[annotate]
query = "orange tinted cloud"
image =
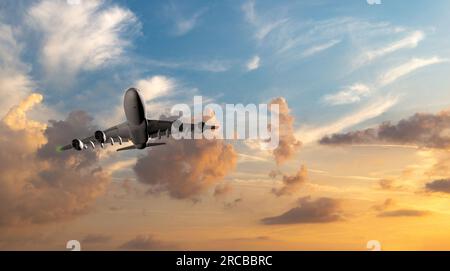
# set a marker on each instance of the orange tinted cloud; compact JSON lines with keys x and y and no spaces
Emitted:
{"x":386,"y":184}
{"x":146,"y":242}
{"x":37,"y":184}
{"x":388,"y":203}
{"x":222,"y":190}
{"x":96,"y":239}
{"x":288,"y":143}
{"x":186,"y":168}
{"x":321,"y":210}
{"x":442,"y":185}
{"x":291,"y":184}
{"x":421,"y":129}
{"x":403,"y":213}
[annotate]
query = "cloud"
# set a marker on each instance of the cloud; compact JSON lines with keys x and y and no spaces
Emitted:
{"x":249,"y":11}
{"x":186,"y":168}
{"x":16,"y":118}
{"x":96,"y":239}
{"x":406,"y":68}
{"x":386,"y":184}
{"x":292,"y":184}
{"x":185,"y":25}
{"x":357,"y":91}
{"x":78,"y":124}
{"x":440,"y":169}
{"x":421,"y":129}
{"x":233,"y":203}
{"x":255,"y":238}
{"x":411,"y":41}
{"x":353,"y":94}
{"x":403,"y":213}
{"x":314,"y":36}
{"x":37,"y":184}
{"x":145,"y":242}
{"x":15,"y":84}
{"x":387,"y":204}
{"x":442,"y":185}
{"x":288,"y":143}
{"x":80,"y":37}
{"x":253,"y":63}
{"x":263,"y":28}
{"x":378,"y":107}
{"x":155,"y":86}
{"x":320,"y":47}
{"x":291,"y":37}
{"x":214,"y":65}
{"x":266,"y":28}
{"x":222,"y":190}
{"x":274,"y":173}
{"x":10,"y":48}
{"x":321,"y":210}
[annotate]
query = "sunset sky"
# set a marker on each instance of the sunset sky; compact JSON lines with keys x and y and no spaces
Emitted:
{"x":364,"y":97}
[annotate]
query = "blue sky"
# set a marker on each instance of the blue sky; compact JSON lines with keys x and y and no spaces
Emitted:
{"x":309,"y":50}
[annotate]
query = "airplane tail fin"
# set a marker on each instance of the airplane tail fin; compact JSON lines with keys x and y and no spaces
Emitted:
{"x":132,"y":147}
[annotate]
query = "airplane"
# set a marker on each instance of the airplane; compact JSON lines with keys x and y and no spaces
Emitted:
{"x":137,"y":128}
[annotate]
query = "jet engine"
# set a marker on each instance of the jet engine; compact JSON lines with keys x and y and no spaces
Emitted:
{"x":100,"y":136}
{"x":78,"y":144}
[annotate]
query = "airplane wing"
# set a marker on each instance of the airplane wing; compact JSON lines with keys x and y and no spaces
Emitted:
{"x":121,"y":133}
{"x":116,"y":134}
{"x":149,"y":144}
{"x":159,"y":128}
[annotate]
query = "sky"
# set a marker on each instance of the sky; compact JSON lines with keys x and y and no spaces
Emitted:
{"x":363,"y":91}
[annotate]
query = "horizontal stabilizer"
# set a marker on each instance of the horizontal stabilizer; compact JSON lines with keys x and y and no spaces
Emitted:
{"x":155,"y":144}
{"x":132,"y":147}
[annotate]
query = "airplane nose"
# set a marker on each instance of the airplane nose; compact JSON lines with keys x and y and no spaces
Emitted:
{"x":133,"y":97}
{"x":131,"y":93}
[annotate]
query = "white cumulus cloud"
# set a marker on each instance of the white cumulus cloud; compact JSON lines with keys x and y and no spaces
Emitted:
{"x":155,"y":86}
{"x":80,"y":37}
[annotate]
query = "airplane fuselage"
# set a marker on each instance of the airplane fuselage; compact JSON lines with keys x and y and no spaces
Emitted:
{"x":134,"y":108}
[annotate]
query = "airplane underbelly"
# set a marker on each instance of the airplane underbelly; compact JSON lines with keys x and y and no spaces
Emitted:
{"x":138,"y":134}
{"x":135,"y":113}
